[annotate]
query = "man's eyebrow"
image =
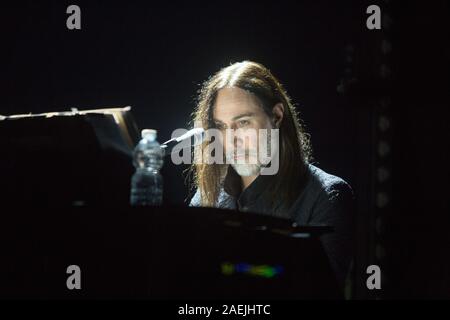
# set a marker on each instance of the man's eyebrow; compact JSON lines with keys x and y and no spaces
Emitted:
{"x":247,"y":114}
{"x":242,"y":115}
{"x":217,"y":121}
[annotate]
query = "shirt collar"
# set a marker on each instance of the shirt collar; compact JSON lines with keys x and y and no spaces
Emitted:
{"x":233,"y":187}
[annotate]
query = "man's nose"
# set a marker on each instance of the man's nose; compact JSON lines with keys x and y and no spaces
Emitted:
{"x":238,"y":139}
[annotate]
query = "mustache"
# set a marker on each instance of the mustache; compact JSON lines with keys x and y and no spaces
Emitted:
{"x":240,"y":153}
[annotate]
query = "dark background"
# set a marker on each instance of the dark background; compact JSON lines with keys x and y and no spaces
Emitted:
{"x":154,"y":56}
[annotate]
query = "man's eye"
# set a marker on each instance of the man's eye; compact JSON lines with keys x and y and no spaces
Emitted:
{"x":244,"y":122}
{"x":219,"y":126}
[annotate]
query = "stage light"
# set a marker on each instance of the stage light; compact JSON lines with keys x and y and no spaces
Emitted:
{"x":384,"y":123}
{"x":383,"y":174}
{"x":382,"y":199}
{"x":383,"y":148}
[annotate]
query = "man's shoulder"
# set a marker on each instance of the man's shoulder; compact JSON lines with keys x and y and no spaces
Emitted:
{"x":323,"y":181}
{"x":322,"y":190}
{"x":328,"y":190}
{"x":224,"y":200}
{"x":196,"y":200}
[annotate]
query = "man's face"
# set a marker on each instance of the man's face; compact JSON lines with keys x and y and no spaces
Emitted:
{"x":240,"y":111}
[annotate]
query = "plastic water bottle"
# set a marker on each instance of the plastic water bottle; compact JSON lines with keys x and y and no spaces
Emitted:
{"x":147,"y":182}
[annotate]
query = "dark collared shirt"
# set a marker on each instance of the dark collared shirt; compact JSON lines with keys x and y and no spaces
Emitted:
{"x":325,"y":200}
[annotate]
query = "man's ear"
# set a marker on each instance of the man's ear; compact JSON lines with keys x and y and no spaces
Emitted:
{"x":278,"y":113}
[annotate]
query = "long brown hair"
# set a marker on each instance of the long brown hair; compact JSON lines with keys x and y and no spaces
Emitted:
{"x":295,"y":150}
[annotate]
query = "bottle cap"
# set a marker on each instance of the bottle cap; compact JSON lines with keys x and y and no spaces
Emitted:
{"x":149,"y":134}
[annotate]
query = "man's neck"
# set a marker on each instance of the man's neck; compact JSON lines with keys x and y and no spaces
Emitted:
{"x":246,"y":181}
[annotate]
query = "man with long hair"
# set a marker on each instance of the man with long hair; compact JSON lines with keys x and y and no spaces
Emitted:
{"x":246,"y":97}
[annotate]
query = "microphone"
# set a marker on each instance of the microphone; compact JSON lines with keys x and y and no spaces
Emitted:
{"x":197,"y":133}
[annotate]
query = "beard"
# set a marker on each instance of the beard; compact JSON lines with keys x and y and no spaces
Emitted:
{"x":247,"y":170}
{"x":250,"y":163}
{"x":246,"y":166}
